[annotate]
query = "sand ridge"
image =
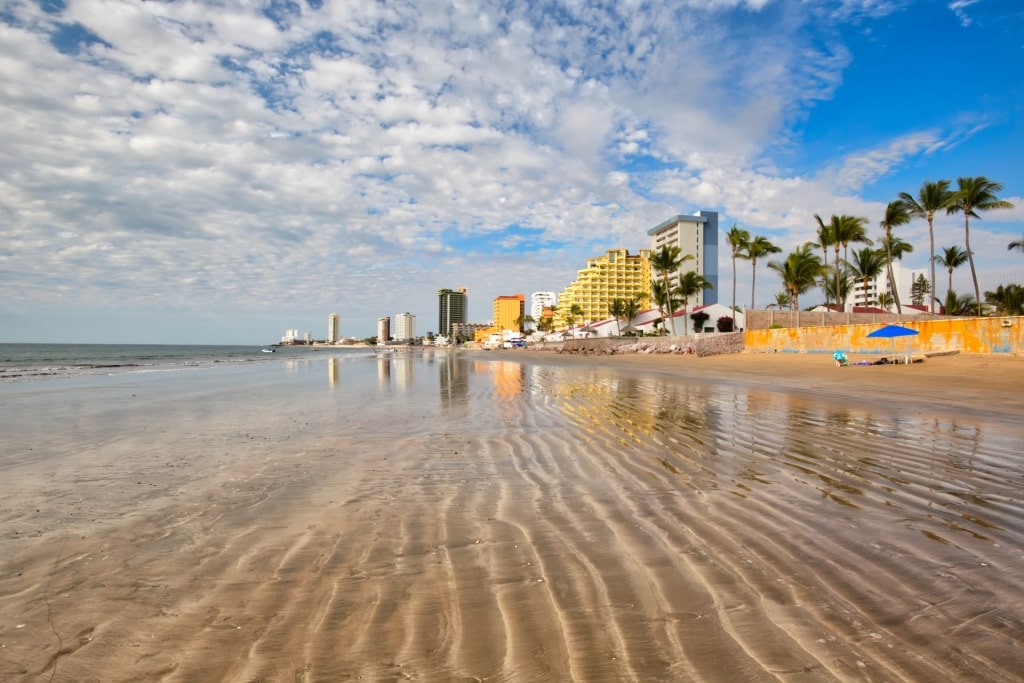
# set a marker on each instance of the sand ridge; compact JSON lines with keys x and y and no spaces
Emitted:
{"x":557,"y":520}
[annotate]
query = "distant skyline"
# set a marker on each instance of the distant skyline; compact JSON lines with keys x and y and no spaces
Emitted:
{"x":198,"y":172}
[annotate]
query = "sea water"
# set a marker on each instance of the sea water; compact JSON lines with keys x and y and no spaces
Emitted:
{"x":36,"y":361}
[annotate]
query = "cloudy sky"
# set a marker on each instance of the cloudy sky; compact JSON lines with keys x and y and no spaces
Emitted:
{"x":220,"y":171}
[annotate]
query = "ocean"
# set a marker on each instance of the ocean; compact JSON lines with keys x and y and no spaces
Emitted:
{"x":37,"y":361}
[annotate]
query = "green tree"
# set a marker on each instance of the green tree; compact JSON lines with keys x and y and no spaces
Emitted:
{"x":738,"y":240}
{"x":867,"y":265}
{"x":758,"y":247}
{"x":958,"y":305}
{"x":799,"y":272}
{"x":663,"y":298}
{"x":1007,"y":300}
{"x":973,"y":195}
{"x":633,"y":306}
{"x":896,"y":214}
{"x":826,"y":239}
{"x":930,"y":198}
{"x":841,"y":231}
{"x":664,"y":262}
{"x":920,"y":289}
{"x":951,"y":258}
{"x":781,"y":301}
{"x":691,"y":284}
{"x":617,"y":309}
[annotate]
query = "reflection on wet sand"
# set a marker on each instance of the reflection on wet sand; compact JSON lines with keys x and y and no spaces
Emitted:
{"x":526,"y":522}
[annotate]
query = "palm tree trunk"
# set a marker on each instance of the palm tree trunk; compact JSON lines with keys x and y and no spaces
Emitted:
{"x":970,"y":259}
{"x":824,"y":250}
{"x":840,"y":304}
{"x":753,"y":279}
{"x":734,"y":284}
{"x":931,"y":265}
{"x":888,"y":266}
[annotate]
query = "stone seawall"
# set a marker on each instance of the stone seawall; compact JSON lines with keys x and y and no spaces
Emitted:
{"x":699,"y":345}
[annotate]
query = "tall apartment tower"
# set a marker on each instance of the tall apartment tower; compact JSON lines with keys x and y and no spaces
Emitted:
{"x":509,"y":309}
{"x":696,"y":235}
{"x":384,"y":330}
{"x":539,"y":301}
{"x":616,"y":275}
{"x":405,"y":326}
{"x":452,"y":306}
{"x":333,"y":328}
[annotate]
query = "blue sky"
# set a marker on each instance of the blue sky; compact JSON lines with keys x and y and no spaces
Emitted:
{"x":219,"y":172}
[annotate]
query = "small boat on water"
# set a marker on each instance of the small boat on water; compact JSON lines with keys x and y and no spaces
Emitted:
{"x":269,"y":350}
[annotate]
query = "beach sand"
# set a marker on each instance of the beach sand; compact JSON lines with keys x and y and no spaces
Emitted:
{"x":522,"y":516}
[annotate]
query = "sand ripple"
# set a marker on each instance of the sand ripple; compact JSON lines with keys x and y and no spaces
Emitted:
{"x":547,"y":524}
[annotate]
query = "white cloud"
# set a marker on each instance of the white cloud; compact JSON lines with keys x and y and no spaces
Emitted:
{"x":208,"y":155}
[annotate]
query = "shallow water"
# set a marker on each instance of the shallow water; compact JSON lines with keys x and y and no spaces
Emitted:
{"x":446,"y":516}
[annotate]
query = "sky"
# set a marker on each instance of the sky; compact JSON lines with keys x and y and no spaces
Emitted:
{"x":220,"y":172}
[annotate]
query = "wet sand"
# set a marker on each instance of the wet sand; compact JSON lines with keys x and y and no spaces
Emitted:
{"x":519,"y":517}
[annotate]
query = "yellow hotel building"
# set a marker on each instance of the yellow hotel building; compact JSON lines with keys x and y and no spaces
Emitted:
{"x":508,"y":311}
{"x":616,"y":275}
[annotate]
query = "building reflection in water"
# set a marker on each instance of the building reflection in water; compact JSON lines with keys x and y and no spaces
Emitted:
{"x":333,"y":372}
{"x":405,"y":370}
{"x":454,"y":380}
{"x":384,"y":369}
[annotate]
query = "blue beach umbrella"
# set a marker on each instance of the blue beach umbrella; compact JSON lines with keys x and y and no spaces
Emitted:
{"x":891,"y":332}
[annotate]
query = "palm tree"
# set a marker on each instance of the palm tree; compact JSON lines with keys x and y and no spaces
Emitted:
{"x":826,"y":238}
{"x":896,"y":214}
{"x":632,"y":310}
{"x":975,"y":194}
{"x":896,"y":247}
{"x":617,"y":309}
{"x":1016,"y":244}
{"x":950,"y":258}
{"x":867,"y":265}
{"x":841,"y":230}
{"x":666,"y":261}
{"x":931,"y":197}
{"x":1008,"y":300}
{"x":691,"y":283}
{"x":781,"y":299}
{"x":757,"y":247}
{"x":664,"y":299}
{"x":738,"y":240}
{"x":799,"y":272}
{"x":958,"y":305}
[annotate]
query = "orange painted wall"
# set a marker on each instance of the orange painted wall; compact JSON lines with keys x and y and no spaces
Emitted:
{"x":967,"y":335}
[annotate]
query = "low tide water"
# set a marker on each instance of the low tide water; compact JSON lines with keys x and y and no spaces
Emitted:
{"x":456,"y":516}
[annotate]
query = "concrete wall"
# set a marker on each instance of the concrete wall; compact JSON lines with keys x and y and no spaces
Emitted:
{"x":967,"y":335}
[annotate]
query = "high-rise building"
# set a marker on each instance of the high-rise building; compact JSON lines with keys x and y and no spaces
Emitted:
{"x":405,"y":327}
{"x":333,"y":328}
{"x":452,"y":306}
{"x":384,"y":330}
{"x":616,"y":275}
{"x":509,"y":310}
{"x":539,"y":301}
{"x":696,"y":236}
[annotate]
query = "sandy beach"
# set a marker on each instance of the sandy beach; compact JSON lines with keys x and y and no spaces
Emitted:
{"x":518,"y":516}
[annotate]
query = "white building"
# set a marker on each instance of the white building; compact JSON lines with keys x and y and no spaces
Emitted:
{"x":290,"y":336}
{"x":333,"y":328}
{"x":405,"y":327}
{"x":903,"y":280}
{"x":539,"y":301}
{"x":696,"y":236}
